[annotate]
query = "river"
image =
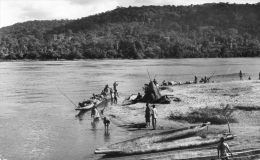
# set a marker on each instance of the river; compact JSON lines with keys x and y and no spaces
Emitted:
{"x":38,"y":122}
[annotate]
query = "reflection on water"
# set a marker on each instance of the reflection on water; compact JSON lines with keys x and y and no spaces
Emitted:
{"x":106,"y":135}
{"x":37,"y":122}
{"x":94,"y":124}
{"x":80,"y":115}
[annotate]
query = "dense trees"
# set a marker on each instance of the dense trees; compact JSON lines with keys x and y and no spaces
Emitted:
{"x":209,"y":30}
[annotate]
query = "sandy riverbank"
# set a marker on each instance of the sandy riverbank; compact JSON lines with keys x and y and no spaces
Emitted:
{"x":235,"y":93}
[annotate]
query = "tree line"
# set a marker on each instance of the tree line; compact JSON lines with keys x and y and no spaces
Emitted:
{"x":209,"y":30}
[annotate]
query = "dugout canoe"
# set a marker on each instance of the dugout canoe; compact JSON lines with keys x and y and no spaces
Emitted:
{"x":86,"y":107}
{"x":135,"y":148}
{"x":99,"y":104}
{"x":204,"y":154}
{"x":130,"y":100}
{"x":151,"y":143}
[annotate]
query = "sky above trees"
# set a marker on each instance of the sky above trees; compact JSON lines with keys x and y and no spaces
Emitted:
{"x":14,"y":11}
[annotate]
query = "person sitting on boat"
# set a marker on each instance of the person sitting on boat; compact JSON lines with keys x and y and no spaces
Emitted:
{"x":138,"y":97}
{"x":93,"y":96}
{"x":223,"y":150}
{"x":154,"y":116}
{"x":164,"y":83}
{"x":147,"y":115}
{"x":155,"y":82}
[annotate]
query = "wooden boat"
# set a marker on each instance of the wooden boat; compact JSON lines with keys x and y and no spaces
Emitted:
{"x":204,"y":154}
{"x":87,"y":105}
{"x":99,"y":103}
{"x":130,"y":100}
{"x":154,"y":142}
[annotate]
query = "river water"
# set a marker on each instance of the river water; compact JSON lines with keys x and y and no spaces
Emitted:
{"x":38,"y":122}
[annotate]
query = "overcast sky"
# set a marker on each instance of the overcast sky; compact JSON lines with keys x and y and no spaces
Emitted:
{"x":13,"y":11}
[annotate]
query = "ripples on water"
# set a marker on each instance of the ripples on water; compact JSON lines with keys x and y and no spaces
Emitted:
{"x":37,"y":122}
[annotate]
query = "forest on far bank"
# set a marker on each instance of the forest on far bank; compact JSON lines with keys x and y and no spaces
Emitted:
{"x":208,"y":30}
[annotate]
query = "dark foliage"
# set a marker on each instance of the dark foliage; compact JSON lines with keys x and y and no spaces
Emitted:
{"x":209,"y":30}
{"x":212,"y":115}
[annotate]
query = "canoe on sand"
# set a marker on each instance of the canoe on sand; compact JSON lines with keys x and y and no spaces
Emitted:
{"x":204,"y":154}
{"x":153,"y":142}
{"x":137,"y":148}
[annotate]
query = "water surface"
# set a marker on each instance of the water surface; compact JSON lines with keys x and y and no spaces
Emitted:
{"x":38,"y":122}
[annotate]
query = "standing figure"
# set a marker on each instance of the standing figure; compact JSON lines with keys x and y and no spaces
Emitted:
{"x":111,"y":95}
{"x":115,"y":89}
{"x":240,"y":75}
{"x":115,"y":98}
{"x":195,"y":79}
{"x":147,"y":115}
{"x":249,"y":78}
{"x":259,"y":76}
{"x":96,"y":115}
{"x":154,"y":117}
{"x":223,"y":150}
{"x":93,"y":111}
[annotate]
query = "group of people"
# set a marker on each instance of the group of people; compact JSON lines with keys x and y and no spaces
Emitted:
{"x":204,"y":80}
{"x":96,"y":117}
{"x":112,"y":91}
{"x":151,"y":111}
{"x":94,"y":111}
{"x":249,"y":78}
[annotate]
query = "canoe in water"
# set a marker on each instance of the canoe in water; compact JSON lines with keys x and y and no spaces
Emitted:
{"x":156,"y":142}
{"x":90,"y":105}
{"x":87,"y":107}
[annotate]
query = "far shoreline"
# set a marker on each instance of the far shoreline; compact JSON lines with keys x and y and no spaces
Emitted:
{"x":101,"y":59}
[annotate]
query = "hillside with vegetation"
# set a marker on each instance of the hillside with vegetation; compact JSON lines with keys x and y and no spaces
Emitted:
{"x":209,"y":30}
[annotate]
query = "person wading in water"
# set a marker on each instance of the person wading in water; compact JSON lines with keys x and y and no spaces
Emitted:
{"x":223,"y":150}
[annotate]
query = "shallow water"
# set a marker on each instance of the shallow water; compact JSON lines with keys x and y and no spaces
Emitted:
{"x":38,"y":122}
